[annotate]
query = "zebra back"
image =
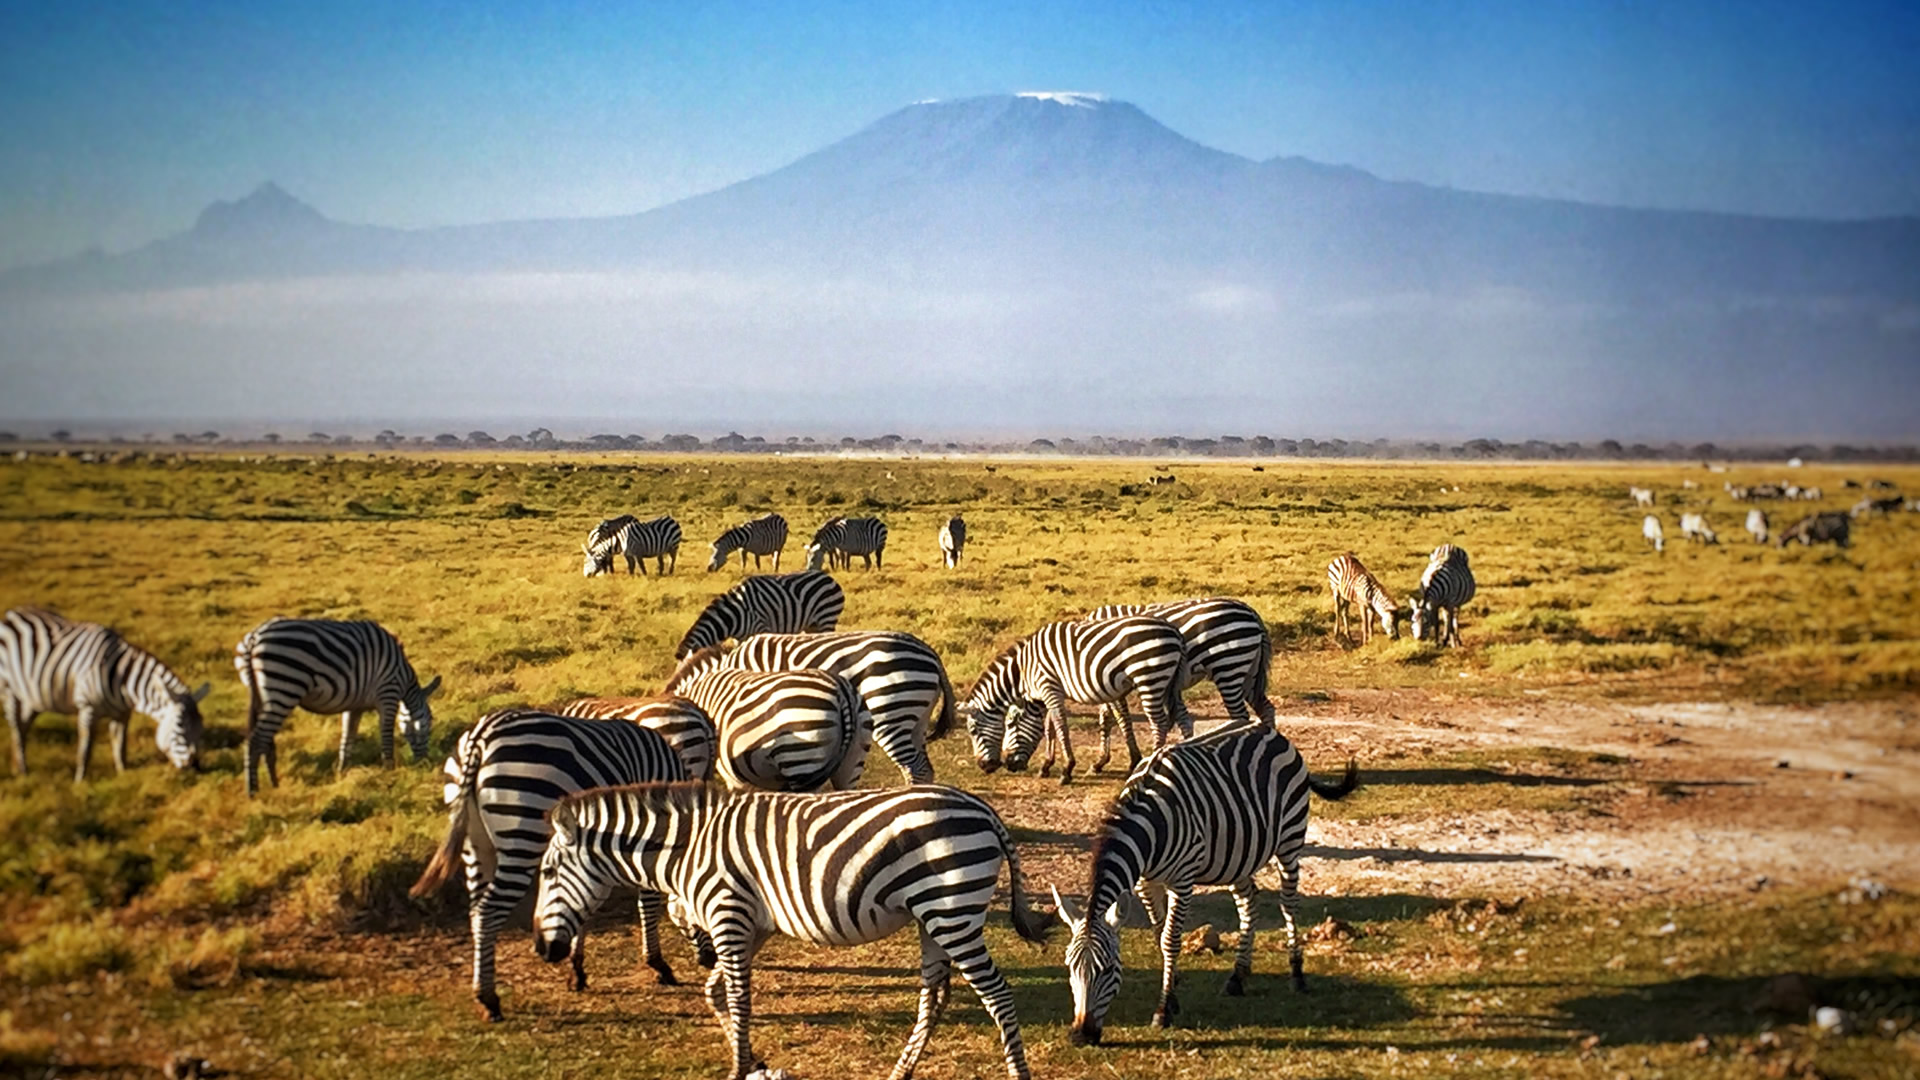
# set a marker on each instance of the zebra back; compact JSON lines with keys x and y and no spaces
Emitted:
{"x":805,"y":602}
{"x":602,"y":543}
{"x":681,"y":722}
{"x":764,"y":535}
{"x":783,"y":731}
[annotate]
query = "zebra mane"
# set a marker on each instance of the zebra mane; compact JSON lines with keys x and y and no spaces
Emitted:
{"x":660,"y":795}
{"x":1003,"y":656}
{"x":690,"y":666}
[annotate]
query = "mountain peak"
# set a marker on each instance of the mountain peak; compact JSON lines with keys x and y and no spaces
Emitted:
{"x":268,"y":206}
{"x":1077,"y":99}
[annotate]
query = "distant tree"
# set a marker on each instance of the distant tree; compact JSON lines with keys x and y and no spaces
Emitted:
{"x":541,"y":439}
{"x":793,"y":440}
{"x":209,"y":436}
{"x":271,"y":438}
{"x":318,"y":437}
{"x":61,"y":435}
{"x":480,"y":438}
{"x":849,"y":441}
{"x":8,"y":436}
{"x":680,"y":442}
{"x":446,"y":438}
{"x":1041,"y":445}
{"x":182,"y":437}
{"x":343,"y":440}
{"x":514,"y":442}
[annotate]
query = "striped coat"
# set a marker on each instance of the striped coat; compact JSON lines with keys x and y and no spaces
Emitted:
{"x":637,"y":541}
{"x":328,"y":667}
{"x":1445,"y":588}
{"x":898,"y":676}
{"x":782,"y":730}
{"x":1226,"y":641}
{"x":684,"y":725}
{"x":506,"y":773}
{"x":1214,"y":810}
{"x":1024,"y":691}
{"x":807,"y":602}
{"x":766,"y":535}
{"x":49,"y":663}
{"x":839,"y":540}
{"x":953,"y":538}
{"x":841,"y":870}
{"x":1353,"y":586}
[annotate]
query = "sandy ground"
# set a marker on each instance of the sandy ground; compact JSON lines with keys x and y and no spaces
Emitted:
{"x":1710,"y":799}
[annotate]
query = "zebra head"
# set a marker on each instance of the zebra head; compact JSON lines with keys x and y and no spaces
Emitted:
{"x":994,"y":696}
{"x":573,"y":883}
{"x":1093,"y":968}
{"x":1026,"y":723}
{"x":690,"y":928}
{"x":816,"y":555}
{"x":596,"y":564}
{"x":416,"y":716}
{"x":177,"y":726}
{"x":719,"y":558}
{"x":1422,"y":615}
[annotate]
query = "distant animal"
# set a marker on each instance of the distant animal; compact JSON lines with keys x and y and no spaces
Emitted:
{"x":325,"y":666}
{"x":1650,"y":528}
{"x":1828,"y":528}
{"x":801,"y":603}
{"x":899,"y":677}
{"x":1739,"y":494}
{"x":779,"y":730}
{"x":504,"y":775}
{"x":1166,"y":479}
{"x":1641,"y":496}
{"x":839,"y":540}
{"x":1870,"y":506}
{"x":1766,"y":491}
{"x":1215,"y":810}
{"x":953,"y":539}
{"x":1353,"y":586}
{"x":1694,"y":527}
{"x":637,"y":541}
{"x":1882,"y":485}
{"x":765,"y":535}
{"x":1689,"y":484}
{"x":1757,"y":525}
{"x":993,"y":468}
{"x":1023,"y":693}
{"x":1445,"y":587}
{"x":49,"y":663}
{"x":843,"y":869}
{"x":1226,"y":641}
{"x":686,"y":727}
{"x":1850,"y":483}
{"x":1812,"y":494}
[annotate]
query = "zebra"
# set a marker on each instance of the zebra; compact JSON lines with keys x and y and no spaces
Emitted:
{"x":953,"y":538}
{"x":325,"y":666}
{"x":806,"y":602}
{"x":765,"y":535}
{"x":1445,"y":588}
{"x":49,"y":663}
{"x":1694,"y":527}
{"x":839,"y":540}
{"x":842,"y":869}
{"x":1757,"y":525}
{"x":1089,"y":662}
{"x":778,"y":730}
{"x":1351,"y":584}
{"x":657,"y":539}
{"x":1226,"y":641}
{"x":1210,"y":811}
{"x":504,"y":775}
{"x":684,"y":725}
{"x":897,"y":675}
{"x":1641,"y":496}
{"x":1654,"y":534}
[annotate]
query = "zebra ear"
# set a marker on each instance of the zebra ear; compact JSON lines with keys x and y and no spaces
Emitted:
{"x":429,"y":689}
{"x":1065,"y":908}
{"x":562,"y":822}
{"x":201,"y":692}
{"x":1113,"y":916}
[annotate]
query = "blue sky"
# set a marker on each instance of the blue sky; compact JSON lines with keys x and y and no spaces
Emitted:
{"x":122,"y":120}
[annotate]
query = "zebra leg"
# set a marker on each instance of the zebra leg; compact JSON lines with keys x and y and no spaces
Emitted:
{"x":1289,"y":911}
{"x":967,"y":948}
{"x":1243,"y":894}
{"x":1177,"y":897}
{"x":1150,"y":894}
{"x":349,"y":730}
{"x":84,"y":750}
{"x":936,"y":981}
{"x":486,"y":915}
{"x":389,"y":712}
{"x":652,"y":907}
{"x":1106,"y":738}
{"x":578,"y":955}
{"x":117,"y":729}
{"x":734,"y":1003}
{"x":18,"y":720}
{"x":1058,"y":717}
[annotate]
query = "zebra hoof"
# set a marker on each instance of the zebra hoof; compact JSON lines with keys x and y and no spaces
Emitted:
{"x":490,"y":1008}
{"x":663,"y":974}
{"x":1236,"y":986}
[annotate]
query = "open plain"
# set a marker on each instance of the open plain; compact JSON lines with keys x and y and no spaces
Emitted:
{"x":1655,"y":811}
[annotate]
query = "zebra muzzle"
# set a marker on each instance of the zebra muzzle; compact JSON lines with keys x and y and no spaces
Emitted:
{"x":552,"y":949}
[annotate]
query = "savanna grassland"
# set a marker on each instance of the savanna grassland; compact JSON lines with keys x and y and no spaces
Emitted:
{"x":1575,"y":851}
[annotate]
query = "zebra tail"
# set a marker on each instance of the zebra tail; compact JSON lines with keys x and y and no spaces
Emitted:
{"x":945,"y":723}
{"x":251,"y":678}
{"x":1258,"y":688}
{"x":464,"y":820}
{"x":1026,"y":922}
{"x":1337,"y":789}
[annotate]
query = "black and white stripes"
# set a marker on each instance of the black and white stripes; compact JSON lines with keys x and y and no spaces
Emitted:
{"x":49,"y":663}
{"x":765,"y":535}
{"x":502,"y":778}
{"x":844,"y":869}
{"x":953,"y":539}
{"x":1226,"y":641}
{"x":327,"y":667}
{"x":1445,"y":588}
{"x":839,"y":540}
{"x":1353,"y":586}
{"x":801,"y":603}
{"x":779,"y":730}
{"x":1209,"y":811}
{"x":684,"y":725}
{"x":637,"y":541}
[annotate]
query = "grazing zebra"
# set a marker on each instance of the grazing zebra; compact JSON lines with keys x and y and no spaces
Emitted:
{"x":1445,"y":588}
{"x":1654,"y":534}
{"x":684,"y":725}
{"x":1641,"y":496}
{"x":325,"y":666}
{"x":778,"y":730}
{"x":506,"y":773}
{"x":1094,"y":663}
{"x":839,"y":540}
{"x":1694,"y":527}
{"x":657,"y":539}
{"x":1757,"y":525}
{"x":807,"y":602}
{"x":1226,"y":641}
{"x":845,"y":869}
{"x":762,"y":536}
{"x":1829,"y":528}
{"x":953,"y":538}
{"x":49,"y":663}
{"x":1351,"y":584}
{"x":897,"y":675}
{"x":1210,"y":811}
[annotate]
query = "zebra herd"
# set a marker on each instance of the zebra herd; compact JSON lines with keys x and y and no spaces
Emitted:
{"x":1445,"y":587}
{"x":1821,"y":527}
{"x":833,"y":545}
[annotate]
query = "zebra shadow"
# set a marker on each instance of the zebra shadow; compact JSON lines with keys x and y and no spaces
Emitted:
{"x":1680,"y":1010}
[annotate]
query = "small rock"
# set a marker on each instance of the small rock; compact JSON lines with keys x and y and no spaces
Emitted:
{"x":1332,"y":929}
{"x":1667,"y":929}
{"x":770,"y":1074}
{"x":1862,"y":890}
{"x":1781,"y":764}
{"x":1790,"y":994}
{"x":1619,"y":961}
{"x":1832,"y":1021}
{"x":186,"y":1067}
{"x":1203,"y":938}
{"x":1700,"y":1045}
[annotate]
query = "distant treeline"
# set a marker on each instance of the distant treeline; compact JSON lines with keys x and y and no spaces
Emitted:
{"x":1224,"y":446}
